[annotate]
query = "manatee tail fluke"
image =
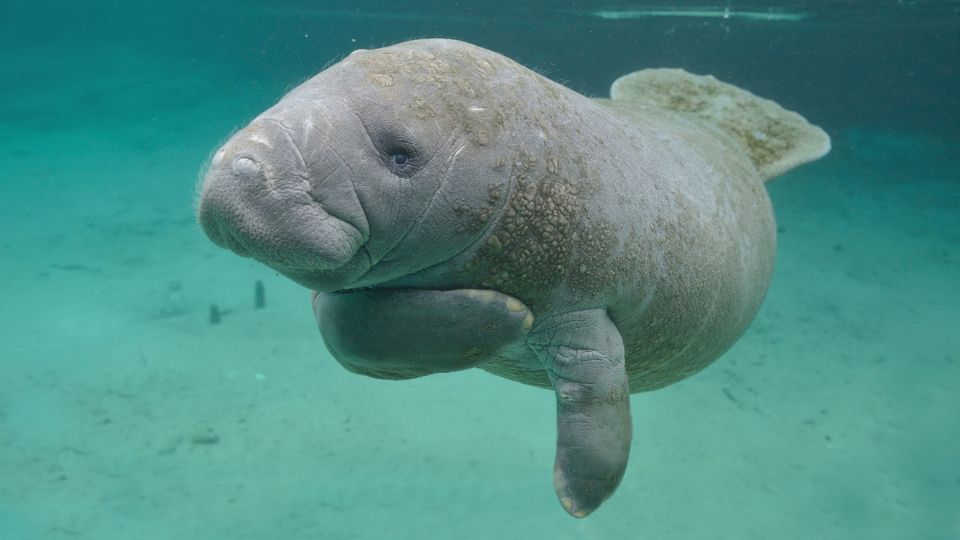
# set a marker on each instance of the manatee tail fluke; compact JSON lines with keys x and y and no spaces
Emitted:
{"x":776,"y":139}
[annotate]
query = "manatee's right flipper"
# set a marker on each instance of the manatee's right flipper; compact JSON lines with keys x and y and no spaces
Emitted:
{"x":406,"y":333}
{"x":583,"y":355}
{"x":775,"y":139}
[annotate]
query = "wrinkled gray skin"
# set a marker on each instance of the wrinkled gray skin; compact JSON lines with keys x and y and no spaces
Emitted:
{"x":454,"y":209}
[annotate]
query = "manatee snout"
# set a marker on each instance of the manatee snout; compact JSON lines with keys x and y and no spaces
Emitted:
{"x":260,"y":199}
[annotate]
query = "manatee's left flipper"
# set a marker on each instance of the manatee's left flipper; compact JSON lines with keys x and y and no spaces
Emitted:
{"x":406,"y":333}
{"x":583,"y":355}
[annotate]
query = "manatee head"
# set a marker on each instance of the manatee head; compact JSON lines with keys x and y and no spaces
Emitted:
{"x":382,"y":165}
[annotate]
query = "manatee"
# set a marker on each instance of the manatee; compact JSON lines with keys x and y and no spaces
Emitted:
{"x":451,"y":209}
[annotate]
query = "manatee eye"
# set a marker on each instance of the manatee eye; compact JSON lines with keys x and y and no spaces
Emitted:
{"x":399,"y":150}
{"x":401,"y":159}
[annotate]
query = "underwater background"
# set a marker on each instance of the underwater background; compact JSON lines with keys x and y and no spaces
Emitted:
{"x":125,"y":412}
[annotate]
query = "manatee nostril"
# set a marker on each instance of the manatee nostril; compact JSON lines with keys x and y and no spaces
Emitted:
{"x":246,"y":166}
{"x":218,"y":157}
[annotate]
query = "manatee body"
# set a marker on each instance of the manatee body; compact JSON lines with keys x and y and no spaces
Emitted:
{"x":452,"y":209}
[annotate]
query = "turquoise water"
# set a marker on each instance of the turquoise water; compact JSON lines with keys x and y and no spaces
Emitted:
{"x":124,"y":413}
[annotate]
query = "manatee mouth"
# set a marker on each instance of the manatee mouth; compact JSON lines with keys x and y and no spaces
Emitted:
{"x":228,"y":238}
{"x":260,"y":200}
{"x":291,"y":255}
{"x":295,"y":246}
{"x":285,"y":229}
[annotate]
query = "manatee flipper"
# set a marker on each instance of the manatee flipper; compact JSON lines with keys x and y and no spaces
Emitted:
{"x":775,"y":139}
{"x":583,"y":355}
{"x":407,"y":333}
